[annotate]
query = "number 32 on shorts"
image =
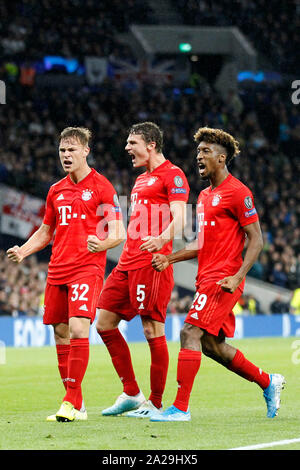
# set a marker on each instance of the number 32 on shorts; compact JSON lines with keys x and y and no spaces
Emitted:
{"x":199,"y":301}
{"x":83,"y":288}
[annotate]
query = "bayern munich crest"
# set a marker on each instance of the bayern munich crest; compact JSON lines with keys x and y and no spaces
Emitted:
{"x":216,"y":200}
{"x":86,"y":194}
{"x":151,"y":181}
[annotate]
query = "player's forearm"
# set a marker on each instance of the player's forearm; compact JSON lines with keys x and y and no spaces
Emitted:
{"x":190,"y":251}
{"x":182,"y":255}
{"x":39,"y":240}
{"x":109,"y":243}
{"x":116,"y":236}
{"x":175,"y":228}
{"x":251,"y":255}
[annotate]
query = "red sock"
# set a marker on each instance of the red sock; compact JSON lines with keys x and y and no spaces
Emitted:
{"x":159,"y":368}
{"x":62,"y":351}
{"x":77,"y":365}
{"x":241,"y":366}
{"x":121,"y":359}
{"x":188,"y":365}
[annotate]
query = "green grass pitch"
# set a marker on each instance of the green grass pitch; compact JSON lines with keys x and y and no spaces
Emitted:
{"x":227,"y":411}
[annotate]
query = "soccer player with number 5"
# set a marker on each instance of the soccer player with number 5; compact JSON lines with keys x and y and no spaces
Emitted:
{"x":83,"y":211}
{"x":158,"y":207}
{"x":226,"y":218}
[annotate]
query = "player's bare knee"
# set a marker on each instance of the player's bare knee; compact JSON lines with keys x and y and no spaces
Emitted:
{"x":106,"y":321}
{"x":190,"y":336}
{"x":148,"y":332}
{"x":152,"y":328}
{"x":61,"y":333}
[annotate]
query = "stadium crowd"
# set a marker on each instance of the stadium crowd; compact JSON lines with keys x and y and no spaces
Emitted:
{"x":262,"y":117}
{"x":84,"y":27}
{"x":272,"y":27}
{"x":21,"y":286}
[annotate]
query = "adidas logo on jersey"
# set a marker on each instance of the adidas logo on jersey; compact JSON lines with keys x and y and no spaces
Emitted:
{"x":83,"y":307}
{"x":195,"y":315}
{"x":60,"y":197}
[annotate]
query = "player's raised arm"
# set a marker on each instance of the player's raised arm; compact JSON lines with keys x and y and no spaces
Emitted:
{"x":254,"y":247}
{"x":36,"y":242}
{"x":116,"y":235}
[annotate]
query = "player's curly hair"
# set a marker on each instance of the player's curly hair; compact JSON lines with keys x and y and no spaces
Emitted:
{"x":150,"y":133}
{"x":81,"y":133}
{"x":220,"y":137}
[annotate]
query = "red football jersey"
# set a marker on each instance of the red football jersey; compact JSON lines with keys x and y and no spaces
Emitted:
{"x":150,"y":211}
{"x":221,"y":215}
{"x":76,"y":211}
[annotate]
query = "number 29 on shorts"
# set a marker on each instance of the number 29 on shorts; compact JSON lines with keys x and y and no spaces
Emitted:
{"x":199,"y":301}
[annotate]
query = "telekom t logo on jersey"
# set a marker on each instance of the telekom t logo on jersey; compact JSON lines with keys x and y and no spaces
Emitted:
{"x":66,"y":213}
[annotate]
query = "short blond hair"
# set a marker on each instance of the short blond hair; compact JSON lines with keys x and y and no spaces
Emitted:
{"x":220,"y":137}
{"x":80,"y":133}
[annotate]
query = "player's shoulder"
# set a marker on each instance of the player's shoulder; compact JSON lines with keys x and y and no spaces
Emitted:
{"x":174,"y":168}
{"x":58,"y":184}
{"x":173,"y":174}
{"x":100,"y":179}
{"x":236,"y":185}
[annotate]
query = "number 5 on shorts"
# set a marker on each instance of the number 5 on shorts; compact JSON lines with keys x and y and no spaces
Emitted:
{"x":140,"y":294}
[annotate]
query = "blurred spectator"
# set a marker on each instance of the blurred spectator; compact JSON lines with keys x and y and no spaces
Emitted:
{"x":238,"y":308}
{"x":295,"y":302}
{"x":278,"y":276}
{"x":179,"y":305}
{"x":247,"y":305}
{"x":27,"y":75}
{"x":279,"y":305}
{"x":253,"y":305}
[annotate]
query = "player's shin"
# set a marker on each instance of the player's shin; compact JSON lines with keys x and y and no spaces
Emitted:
{"x":121,"y":359}
{"x":188,"y":365}
{"x":77,"y":365}
{"x":159,"y":369}
{"x":62,"y":351}
{"x":244,"y":368}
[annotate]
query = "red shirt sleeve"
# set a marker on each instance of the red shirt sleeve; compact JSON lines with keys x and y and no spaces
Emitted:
{"x":109,"y":207}
{"x":50,"y":216}
{"x":244,"y":208}
{"x":177,"y":185}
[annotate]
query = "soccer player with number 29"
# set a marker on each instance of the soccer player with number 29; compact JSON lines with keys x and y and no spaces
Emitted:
{"x":226,"y":217}
{"x":83,"y":211}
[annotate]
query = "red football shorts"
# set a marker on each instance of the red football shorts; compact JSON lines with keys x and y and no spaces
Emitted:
{"x":77,"y":299}
{"x":211,"y":309}
{"x":143,"y":291}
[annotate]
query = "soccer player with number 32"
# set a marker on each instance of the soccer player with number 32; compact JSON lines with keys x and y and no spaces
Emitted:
{"x":83,"y":211}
